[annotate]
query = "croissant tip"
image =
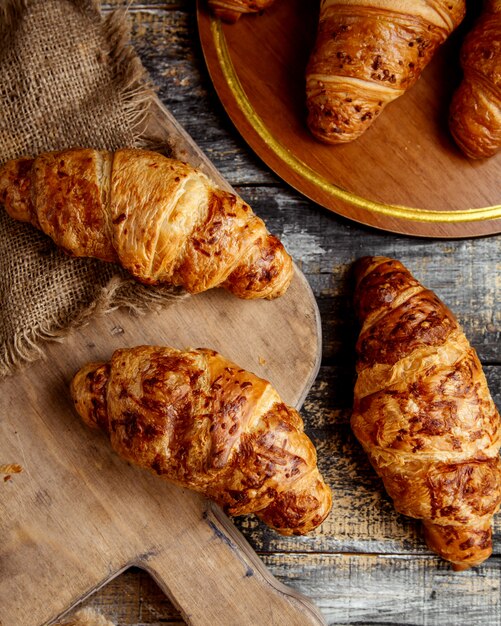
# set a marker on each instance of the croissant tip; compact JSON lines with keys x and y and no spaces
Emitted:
{"x":461,"y":567}
{"x":86,"y":390}
{"x":364,"y":264}
{"x":329,"y":138}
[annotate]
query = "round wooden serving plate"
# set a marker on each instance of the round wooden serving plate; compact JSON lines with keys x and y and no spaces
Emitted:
{"x":404,"y":175}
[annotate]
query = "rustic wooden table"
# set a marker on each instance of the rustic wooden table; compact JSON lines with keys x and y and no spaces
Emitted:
{"x":367,"y":564}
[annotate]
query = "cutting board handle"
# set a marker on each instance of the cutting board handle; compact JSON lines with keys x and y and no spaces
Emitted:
{"x":214,"y":577}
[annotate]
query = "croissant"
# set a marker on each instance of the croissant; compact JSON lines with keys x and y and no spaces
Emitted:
{"x":366,"y":55}
{"x":423,"y":413}
{"x":231,"y":10}
{"x":475,"y":112}
{"x":161,"y":219}
{"x":206,"y":424}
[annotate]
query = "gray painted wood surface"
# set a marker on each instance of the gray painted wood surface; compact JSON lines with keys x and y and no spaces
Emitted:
{"x":367,"y":564}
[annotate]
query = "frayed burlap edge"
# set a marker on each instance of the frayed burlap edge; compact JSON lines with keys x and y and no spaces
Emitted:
{"x":28,"y":348}
{"x":138,"y":93}
{"x":10,"y":11}
{"x":86,"y":617}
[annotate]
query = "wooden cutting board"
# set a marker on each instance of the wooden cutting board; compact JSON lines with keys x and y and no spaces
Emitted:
{"x":77,"y":515}
{"x":405,"y":174}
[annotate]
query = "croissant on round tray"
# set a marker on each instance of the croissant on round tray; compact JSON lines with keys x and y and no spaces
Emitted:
{"x":475,"y":111}
{"x":202,"y":422}
{"x":423,"y":412}
{"x":367,"y":54}
{"x":231,"y":10}
{"x":164,"y":221}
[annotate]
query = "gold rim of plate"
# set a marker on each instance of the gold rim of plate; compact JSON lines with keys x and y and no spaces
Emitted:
{"x":301,"y":168}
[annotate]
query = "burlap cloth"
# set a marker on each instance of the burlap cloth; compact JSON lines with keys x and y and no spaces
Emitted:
{"x":67,"y":78}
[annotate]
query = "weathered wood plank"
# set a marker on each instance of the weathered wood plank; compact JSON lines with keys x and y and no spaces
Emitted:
{"x":408,"y":591}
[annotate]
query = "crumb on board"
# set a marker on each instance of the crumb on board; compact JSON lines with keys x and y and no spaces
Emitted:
{"x":10,"y":468}
{"x":261,"y":360}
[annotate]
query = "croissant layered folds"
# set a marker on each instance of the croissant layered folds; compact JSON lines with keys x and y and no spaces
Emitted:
{"x":367,"y":54}
{"x":475,"y":112}
{"x":231,"y":10}
{"x":161,"y":219}
{"x":423,"y":412}
{"x":202,"y":422}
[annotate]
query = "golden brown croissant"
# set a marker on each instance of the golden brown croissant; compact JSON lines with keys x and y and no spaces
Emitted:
{"x":204,"y":423}
{"x":475,"y":113}
{"x":231,"y":10}
{"x":161,"y":219}
{"x":367,"y":54}
{"x":423,"y":412}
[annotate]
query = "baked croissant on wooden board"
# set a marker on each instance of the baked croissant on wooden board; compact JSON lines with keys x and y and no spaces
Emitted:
{"x":475,"y":112}
{"x":231,"y":10}
{"x":423,"y":412}
{"x":162,"y":220}
{"x":367,"y":54}
{"x":204,"y":423}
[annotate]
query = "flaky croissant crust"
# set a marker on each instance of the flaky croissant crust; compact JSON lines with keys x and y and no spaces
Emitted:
{"x":164,"y":221}
{"x":231,"y":10}
{"x":423,"y":412}
{"x":367,"y":54}
{"x":475,"y":112}
{"x":204,"y":423}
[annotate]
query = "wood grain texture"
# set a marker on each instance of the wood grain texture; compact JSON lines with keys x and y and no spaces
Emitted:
{"x":401,"y":590}
{"x":369,"y":566}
